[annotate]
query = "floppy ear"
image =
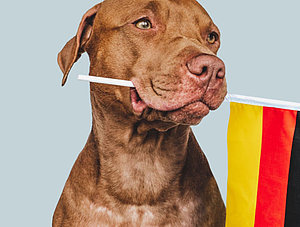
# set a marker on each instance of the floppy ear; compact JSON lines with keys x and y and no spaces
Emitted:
{"x":75,"y":47}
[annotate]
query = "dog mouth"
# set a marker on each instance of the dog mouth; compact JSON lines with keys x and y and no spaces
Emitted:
{"x":196,"y":108}
{"x":137,"y":103}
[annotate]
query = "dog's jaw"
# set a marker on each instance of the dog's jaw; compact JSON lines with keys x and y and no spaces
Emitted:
{"x":190,"y":108}
{"x":191,"y":113}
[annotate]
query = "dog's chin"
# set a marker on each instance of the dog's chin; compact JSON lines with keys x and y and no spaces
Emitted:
{"x":190,"y":114}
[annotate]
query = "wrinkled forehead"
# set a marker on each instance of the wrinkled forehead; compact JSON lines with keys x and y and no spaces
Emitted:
{"x":119,"y":12}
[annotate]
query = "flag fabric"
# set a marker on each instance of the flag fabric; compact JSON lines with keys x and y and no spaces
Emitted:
{"x":263,"y":188}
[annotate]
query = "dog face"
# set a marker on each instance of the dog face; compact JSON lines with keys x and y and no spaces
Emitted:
{"x":167,"y":48}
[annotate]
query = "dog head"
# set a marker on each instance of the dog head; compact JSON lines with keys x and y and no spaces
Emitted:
{"x":167,"y":48}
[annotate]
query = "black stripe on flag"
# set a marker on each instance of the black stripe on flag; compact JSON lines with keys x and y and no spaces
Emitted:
{"x":292,"y":212}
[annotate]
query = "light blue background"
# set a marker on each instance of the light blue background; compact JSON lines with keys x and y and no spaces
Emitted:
{"x":43,"y":127}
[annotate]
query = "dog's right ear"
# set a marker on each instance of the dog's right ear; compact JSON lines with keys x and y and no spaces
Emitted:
{"x":75,"y":47}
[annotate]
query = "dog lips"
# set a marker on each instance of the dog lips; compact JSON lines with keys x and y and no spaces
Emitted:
{"x":138,"y":104}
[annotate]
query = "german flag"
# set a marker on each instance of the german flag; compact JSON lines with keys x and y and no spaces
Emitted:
{"x":263,"y":165}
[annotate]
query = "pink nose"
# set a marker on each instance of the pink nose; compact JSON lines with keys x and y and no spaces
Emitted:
{"x":207,"y":66}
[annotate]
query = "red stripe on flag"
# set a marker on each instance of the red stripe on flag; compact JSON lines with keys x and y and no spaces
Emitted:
{"x":277,"y":139}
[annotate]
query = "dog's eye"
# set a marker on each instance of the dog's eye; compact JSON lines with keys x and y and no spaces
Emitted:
{"x":143,"y":23}
{"x":212,"y":38}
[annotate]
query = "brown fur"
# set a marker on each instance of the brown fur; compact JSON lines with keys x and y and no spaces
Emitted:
{"x":144,"y":168}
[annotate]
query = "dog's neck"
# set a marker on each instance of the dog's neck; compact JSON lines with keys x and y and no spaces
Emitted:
{"x":142,"y":164}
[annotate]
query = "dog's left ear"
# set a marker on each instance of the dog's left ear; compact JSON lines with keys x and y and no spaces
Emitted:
{"x":75,"y":47}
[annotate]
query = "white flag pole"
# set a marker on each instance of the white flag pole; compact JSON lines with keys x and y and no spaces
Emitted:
{"x":104,"y":80}
{"x":229,"y":98}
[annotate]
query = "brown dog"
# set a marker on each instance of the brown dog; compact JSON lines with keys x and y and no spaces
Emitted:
{"x":141,"y":165}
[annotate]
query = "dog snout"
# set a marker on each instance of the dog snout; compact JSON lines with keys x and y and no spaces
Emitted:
{"x":207,"y":67}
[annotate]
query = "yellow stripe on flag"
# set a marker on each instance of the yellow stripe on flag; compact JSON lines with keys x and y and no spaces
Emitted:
{"x":244,"y":146}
